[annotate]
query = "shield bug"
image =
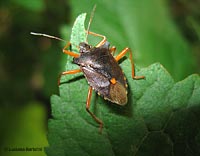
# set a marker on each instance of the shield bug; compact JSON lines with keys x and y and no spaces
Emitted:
{"x":101,"y":70}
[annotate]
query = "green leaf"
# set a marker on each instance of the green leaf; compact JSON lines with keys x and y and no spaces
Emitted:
{"x":160,"y":118}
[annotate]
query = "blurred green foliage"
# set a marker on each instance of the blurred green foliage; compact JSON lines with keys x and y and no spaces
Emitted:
{"x":28,"y":71}
{"x":166,"y":31}
{"x":23,"y":128}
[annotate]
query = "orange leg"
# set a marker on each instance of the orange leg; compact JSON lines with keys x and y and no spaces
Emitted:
{"x":99,"y":35}
{"x":68,"y":72}
{"x":88,"y":107}
{"x":68,"y":52}
{"x":113,"y":50}
{"x":121,"y":54}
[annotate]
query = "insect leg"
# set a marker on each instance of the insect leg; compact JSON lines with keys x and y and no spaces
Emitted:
{"x":99,"y":35}
{"x":113,"y":50}
{"x":87,"y":109}
{"x":68,"y":72}
{"x":121,"y":54}
{"x":68,"y":52}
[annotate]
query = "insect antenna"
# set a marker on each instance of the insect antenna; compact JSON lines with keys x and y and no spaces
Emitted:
{"x":88,"y":27}
{"x":48,"y":36}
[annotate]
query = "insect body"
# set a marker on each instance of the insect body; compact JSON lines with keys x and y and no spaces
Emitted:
{"x":102,"y":71}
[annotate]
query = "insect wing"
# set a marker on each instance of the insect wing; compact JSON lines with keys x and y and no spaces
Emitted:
{"x":98,"y":82}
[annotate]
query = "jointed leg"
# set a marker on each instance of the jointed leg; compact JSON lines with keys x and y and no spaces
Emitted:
{"x":121,"y":54}
{"x":68,"y":52}
{"x":87,"y":109}
{"x":68,"y":72}
{"x":99,"y":35}
{"x":112,"y":50}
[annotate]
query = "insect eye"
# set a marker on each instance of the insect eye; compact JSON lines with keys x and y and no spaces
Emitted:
{"x":84,"y":47}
